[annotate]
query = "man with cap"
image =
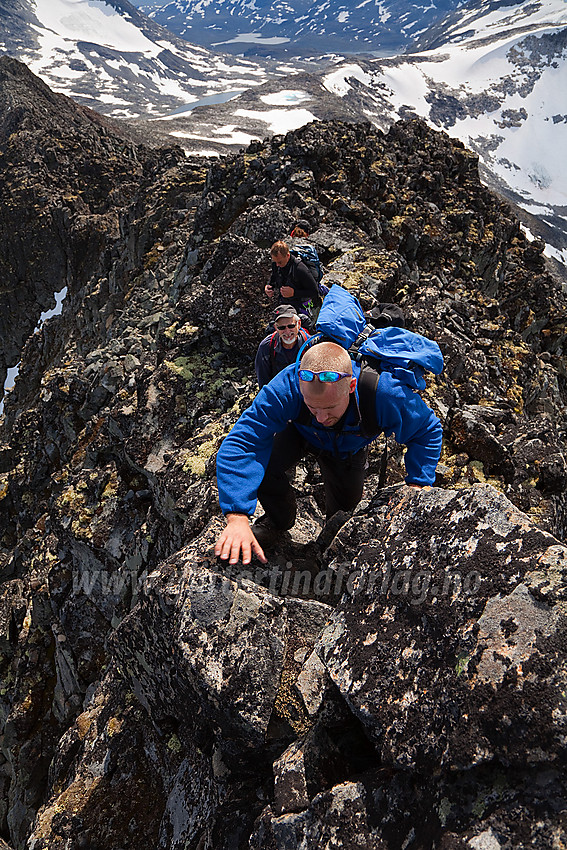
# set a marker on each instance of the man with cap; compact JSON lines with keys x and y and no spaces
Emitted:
{"x":280,"y":348}
{"x":301,"y":229}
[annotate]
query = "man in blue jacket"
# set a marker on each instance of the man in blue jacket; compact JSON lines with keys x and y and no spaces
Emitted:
{"x":313,"y":409}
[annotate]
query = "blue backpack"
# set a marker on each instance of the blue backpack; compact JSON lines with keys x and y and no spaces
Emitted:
{"x":405,"y":354}
{"x":309,"y":256}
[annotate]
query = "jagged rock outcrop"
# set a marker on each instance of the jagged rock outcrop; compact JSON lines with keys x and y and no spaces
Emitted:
{"x":441,"y":715}
{"x":65,"y":178}
{"x":147,"y":690}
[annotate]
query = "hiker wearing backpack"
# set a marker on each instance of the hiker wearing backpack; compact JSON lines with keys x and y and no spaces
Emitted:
{"x":308,"y":255}
{"x":292,"y":282}
{"x":280,"y":348}
{"x":316,"y":406}
{"x":301,"y":229}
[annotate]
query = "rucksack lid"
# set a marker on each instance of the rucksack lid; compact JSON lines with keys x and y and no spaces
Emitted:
{"x":341,"y":317}
{"x":401,"y":347}
{"x":342,"y":320}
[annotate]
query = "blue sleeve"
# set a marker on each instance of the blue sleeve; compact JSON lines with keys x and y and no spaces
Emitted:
{"x":244,"y":453}
{"x":403,"y":413}
{"x":262,"y":363}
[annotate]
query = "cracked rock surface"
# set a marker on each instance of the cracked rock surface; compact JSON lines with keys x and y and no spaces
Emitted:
{"x":397,"y":683}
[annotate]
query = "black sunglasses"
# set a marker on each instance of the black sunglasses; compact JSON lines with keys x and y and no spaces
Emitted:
{"x":283,"y":327}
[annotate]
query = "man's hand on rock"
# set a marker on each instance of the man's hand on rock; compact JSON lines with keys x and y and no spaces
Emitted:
{"x":269,"y":290}
{"x":238,"y":537}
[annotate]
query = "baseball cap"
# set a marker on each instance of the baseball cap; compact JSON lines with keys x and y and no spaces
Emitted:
{"x":285,"y":311}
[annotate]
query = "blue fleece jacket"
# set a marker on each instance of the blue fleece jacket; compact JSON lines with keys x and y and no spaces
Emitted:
{"x":244,"y":453}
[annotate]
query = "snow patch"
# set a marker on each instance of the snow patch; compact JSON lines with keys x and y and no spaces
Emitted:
{"x":12,"y":373}
{"x":252,"y":38}
{"x":231,"y":137}
{"x":279,"y":120}
{"x":55,"y":311}
{"x":337,"y":81}
{"x":86,"y":20}
{"x":285,"y":97}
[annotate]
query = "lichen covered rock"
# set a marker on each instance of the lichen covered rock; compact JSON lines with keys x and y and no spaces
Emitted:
{"x":439,"y":647}
{"x":395,"y":681}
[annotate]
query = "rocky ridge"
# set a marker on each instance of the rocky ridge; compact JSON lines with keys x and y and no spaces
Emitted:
{"x":396,"y":684}
{"x":66,"y":176}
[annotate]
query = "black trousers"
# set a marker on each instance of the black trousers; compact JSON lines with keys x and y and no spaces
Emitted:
{"x":343,"y":478}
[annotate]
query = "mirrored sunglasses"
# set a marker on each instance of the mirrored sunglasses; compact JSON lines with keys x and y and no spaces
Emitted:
{"x":326,"y":377}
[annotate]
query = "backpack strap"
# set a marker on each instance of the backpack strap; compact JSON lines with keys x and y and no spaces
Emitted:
{"x":367,"y":388}
{"x":273,"y":342}
{"x":362,"y":337}
{"x":383,"y":316}
{"x":383,"y":465}
{"x":295,"y":262}
{"x":304,"y":416}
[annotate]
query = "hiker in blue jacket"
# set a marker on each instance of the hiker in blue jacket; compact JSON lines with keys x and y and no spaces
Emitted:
{"x":313,"y":409}
{"x":280,"y":348}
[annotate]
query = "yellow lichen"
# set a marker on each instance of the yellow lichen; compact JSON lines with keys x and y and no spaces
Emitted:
{"x":114,"y":726}
{"x":71,"y":498}
{"x":516,"y":396}
{"x":174,"y":744}
{"x":183,"y":366}
{"x":111,"y":488}
{"x":197,"y":462}
{"x":83,"y":724}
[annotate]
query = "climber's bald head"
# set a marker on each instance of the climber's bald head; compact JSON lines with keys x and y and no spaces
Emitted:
{"x":327,"y":355}
{"x":327,"y":401}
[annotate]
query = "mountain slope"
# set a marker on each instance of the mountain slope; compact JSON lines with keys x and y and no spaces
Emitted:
{"x":65,"y":175}
{"x":109,"y":56}
{"x":151,"y":690}
{"x":495,"y":78}
{"x":292,"y":28}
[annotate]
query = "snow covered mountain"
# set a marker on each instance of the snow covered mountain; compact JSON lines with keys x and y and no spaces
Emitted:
{"x":293,"y":28}
{"x":108,"y":55}
{"x":492,"y":74}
